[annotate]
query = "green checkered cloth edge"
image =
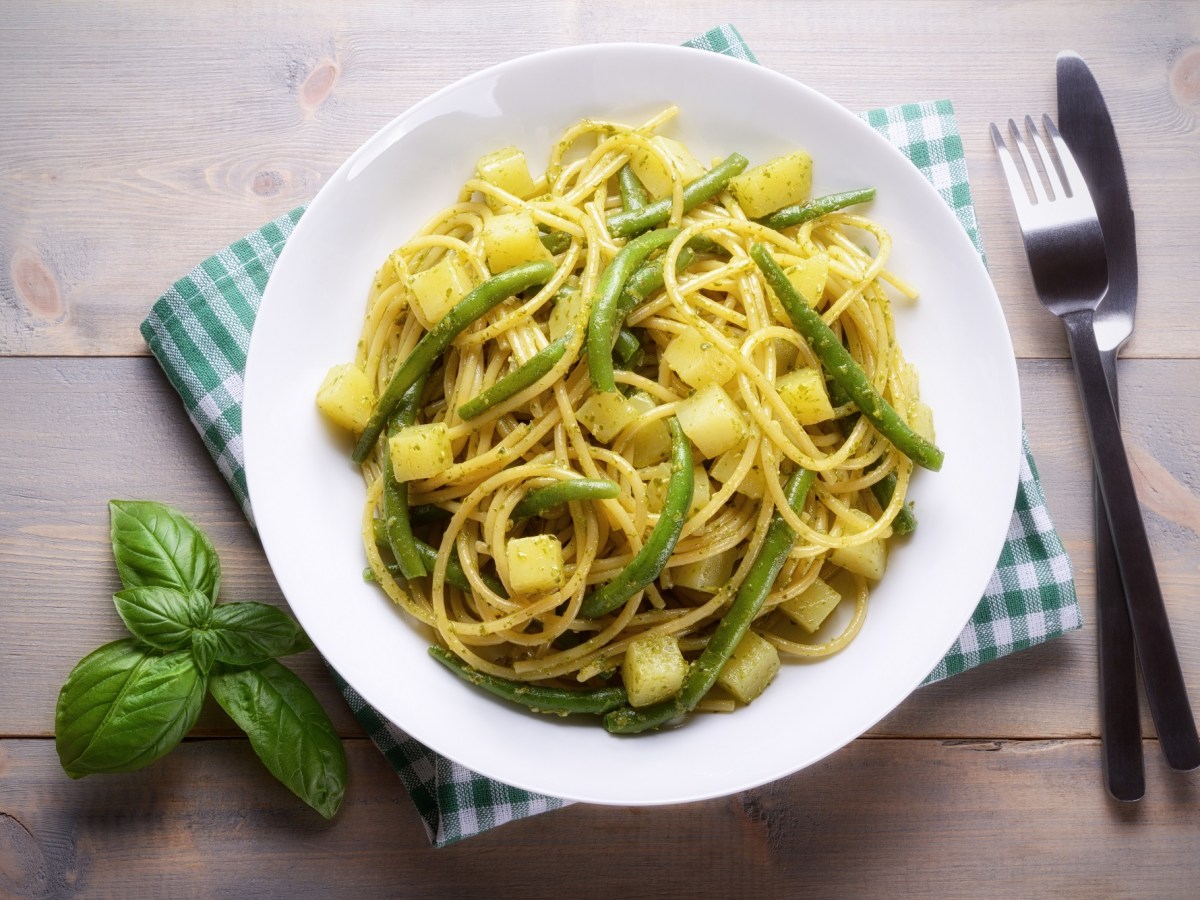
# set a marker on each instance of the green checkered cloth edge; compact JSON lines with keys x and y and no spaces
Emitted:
{"x":200,"y":330}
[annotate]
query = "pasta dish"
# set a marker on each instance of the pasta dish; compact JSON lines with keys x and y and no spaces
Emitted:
{"x":636,"y":426}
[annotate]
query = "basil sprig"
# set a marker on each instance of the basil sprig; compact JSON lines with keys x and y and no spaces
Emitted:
{"x":132,"y":701}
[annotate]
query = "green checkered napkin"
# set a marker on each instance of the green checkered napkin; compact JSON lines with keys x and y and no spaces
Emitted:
{"x":200,"y":330}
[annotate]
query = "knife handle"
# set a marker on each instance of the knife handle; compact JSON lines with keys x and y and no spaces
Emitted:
{"x":1162,"y":675}
{"x":1121,"y":730}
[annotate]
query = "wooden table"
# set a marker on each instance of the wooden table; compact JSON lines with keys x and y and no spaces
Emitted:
{"x":135,"y":141}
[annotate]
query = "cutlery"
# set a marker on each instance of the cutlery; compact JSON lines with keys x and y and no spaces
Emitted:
{"x":1087,"y":128}
{"x":1067,"y":259}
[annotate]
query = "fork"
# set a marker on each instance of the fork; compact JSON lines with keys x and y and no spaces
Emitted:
{"x":1065,"y":247}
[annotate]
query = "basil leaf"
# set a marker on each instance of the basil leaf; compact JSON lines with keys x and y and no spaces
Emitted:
{"x":157,"y":546}
{"x":204,"y":649}
{"x":250,"y":632}
{"x":123,"y":707}
{"x":288,"y":729}
{"x":162,"y":617}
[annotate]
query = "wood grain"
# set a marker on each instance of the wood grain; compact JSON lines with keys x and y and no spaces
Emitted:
{"x":125,"y":170}
{"x":136,"y":442}
{"x":139,"y":137}
{"x":926,"y":818}
{"x":63,"y":416}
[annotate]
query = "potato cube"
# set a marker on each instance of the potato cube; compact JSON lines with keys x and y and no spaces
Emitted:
{"x":535,"y":564}
{"x":653,"y":669}
{"x":658,"y":477}
{"x":810,"y":608}
{"x":697,"y":361}
{"x":507,"y":169}
{"x":726,"y":464}
{"x":808,"y":277}
{"x":510,"y":240}
{"x":437,"y":289}
{"x":656,"y":176}
{"x":346,"y":397}
{"x":910,"y":379}
{"x":804,"y":393}
{"x":855,"y":521}
{"x":712,"y":421}
{"x":785,"y":355}
{"x":920,"y":420}
{"x":651,"y":442}
{"x":708,"y":575}
{"x":754,"y":664}
{"x":868,"y":560}
{"x":781,"y":182}
{"x":605,"y":414}
{"x":420,"y":451}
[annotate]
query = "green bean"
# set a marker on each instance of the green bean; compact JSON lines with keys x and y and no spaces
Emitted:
{"x":561,"y":492}
{"x":883,"y":489}
{"x":702,"y":674}
{"x":905,"y":521}
{"x":649,"y":278}
{"x":818,"y":206}
{"x":395,"y":493}
{"x":628,"y":349}
{"x":837,"y":396}
{"x":516,"y":381}
{"x":397,"y":527}
{"x":707,"y":186}
{"x":596,"y":701}
{"x":633,"y":192}
{"x":555,"y":241}
{"x":431,"y":346}
{"x":602,"y":320}
{"x":702,"y":243}
{"x":652,"y":558}
{"x":454,"y":571}
{"x":843,"y":368}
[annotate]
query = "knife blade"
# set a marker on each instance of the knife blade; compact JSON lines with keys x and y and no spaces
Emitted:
{"x":1086,"y":126}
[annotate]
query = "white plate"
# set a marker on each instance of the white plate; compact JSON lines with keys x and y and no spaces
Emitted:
{"x":308,"y":496}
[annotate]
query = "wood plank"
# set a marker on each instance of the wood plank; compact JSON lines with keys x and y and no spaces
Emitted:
{"x":928,"y":818}
{"x":71,"y":442}
{"x":112,"y":187}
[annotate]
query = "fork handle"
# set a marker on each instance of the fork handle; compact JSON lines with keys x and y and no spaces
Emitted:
{"x":1162,"y":676}
{"x":1121,"y":735}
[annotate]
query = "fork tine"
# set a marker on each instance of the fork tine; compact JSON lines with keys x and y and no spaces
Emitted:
{"x":1016,"y":187}
{"x":1035,"y":180}
{"x":1056,"y":185}
{"x":1071,"y":174}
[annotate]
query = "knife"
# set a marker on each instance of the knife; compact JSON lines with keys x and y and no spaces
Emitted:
{"x":1086,"y":126}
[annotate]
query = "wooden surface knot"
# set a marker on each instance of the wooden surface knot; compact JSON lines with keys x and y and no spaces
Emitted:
{"x":267,"y":183}
{"x":36,"y":286}
{"x":1185,"y":76}
{"x":319,"y":84}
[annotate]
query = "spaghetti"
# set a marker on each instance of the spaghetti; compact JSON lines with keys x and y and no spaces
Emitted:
{"x":720,"y":398}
